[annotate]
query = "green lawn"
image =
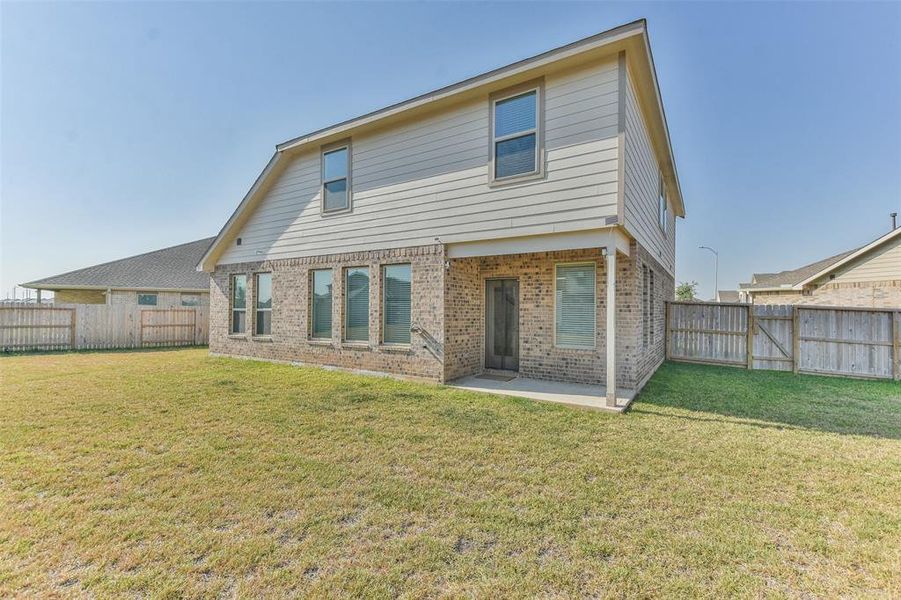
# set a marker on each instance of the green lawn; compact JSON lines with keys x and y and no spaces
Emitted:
{"x":170,"y":473}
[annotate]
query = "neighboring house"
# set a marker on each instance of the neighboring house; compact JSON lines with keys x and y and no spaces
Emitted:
{"x":868,"y":277}
{"x":479,"y":226}
{"x":730,"y":296}
{"x":163,"y":278}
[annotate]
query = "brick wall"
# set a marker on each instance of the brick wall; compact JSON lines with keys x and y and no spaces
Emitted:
{"x":290,"y":341}
{"x":449,"y":306}
{"x":538,"y":356}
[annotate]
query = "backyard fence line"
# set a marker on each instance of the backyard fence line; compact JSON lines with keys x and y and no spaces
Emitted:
{"x":100,"y":326}
{"x":823,"y":340}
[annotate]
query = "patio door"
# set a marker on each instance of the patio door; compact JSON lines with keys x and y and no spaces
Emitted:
{"x":502,"y":324}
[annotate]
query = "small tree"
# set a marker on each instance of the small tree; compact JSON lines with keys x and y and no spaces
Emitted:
{"x":687,"y":290}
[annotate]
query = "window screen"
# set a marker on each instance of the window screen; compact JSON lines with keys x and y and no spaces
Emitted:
{"x":335,"y":193}
{"x":356,"y":304}
{"x":397,"y":280}
{"x":239,"y":303}
{"x":576,"y":309}
{"x":264,"y":304}
{"x":321,"y":304}
{"x":516,"y":135}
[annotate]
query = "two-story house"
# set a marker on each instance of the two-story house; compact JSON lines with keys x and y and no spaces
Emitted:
{"x":522,"y":220}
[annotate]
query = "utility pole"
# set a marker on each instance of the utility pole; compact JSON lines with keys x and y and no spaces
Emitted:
{"x":716,"y":271}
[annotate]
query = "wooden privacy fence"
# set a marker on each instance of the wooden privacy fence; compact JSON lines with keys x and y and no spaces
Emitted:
{"x":100,"y":326}
{"x":826,"y":340}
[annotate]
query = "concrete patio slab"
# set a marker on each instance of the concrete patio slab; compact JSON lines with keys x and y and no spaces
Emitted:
{"x":573,"y":394}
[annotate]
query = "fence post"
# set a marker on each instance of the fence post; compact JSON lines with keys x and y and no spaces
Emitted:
{"x":73,"y":342}
{"x":750,"y":338}
{"x":666,"y":330}
{"x":796,"y":339}
{"x":896,"y":346}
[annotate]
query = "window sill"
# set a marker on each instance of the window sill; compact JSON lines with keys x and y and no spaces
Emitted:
{"x":356,"y":345}
{"x":396,"y":348}
{"x":331,"y":213}
{"x":576,"y":348}
{"x":315,"y":342}
{"x":237,"y":336}
{"x":516,"y":179}
{"x":261,"y":338}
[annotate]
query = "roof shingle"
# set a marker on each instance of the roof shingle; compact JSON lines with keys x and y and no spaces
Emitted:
{"x":173,"y":268}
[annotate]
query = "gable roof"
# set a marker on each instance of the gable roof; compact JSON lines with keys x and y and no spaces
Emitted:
{"x":787,"y":279}
{"x":727,"y":296}
{"x":631,"y":37}
{"x":798,"y":278}
{"x":170,"y":268}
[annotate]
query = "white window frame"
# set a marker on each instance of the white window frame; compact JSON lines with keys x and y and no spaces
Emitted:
{"x":384,"y":303}
{"x":342,"y":145}
{"x":231,"y":302}
{"x":536,"y":86}
{"x":662,"y":206}
{"x":312,"y":329}
{"x":594,"y":313}
{"x":346,"y":298}
{"x":256,"y":302}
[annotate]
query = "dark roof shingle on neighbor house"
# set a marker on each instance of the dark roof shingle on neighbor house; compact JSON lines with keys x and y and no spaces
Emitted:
{"x":793,"y":276}
{"x":173,"y":268}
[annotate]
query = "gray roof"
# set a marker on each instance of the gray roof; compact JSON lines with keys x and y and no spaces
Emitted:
{"x":173,"y":268}
{"x":794,"y":276}
{"x":728,"y":295}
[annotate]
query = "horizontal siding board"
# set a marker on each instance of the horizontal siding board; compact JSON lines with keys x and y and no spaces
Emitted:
{"x":429,"y":178}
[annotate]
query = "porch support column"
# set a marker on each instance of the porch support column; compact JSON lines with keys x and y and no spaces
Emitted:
{"x":610,"y":350}
{"x":39,"y":296}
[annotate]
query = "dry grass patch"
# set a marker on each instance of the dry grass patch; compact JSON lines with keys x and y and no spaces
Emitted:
{"x":174,"y":474}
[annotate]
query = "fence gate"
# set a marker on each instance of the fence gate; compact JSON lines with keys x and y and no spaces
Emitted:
{"x":826,"y":340}
{"x":773,"y":328}
{"x":168,"y":327}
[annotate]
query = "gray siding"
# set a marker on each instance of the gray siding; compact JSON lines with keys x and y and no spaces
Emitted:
{"x":642,"y":174}
{"x":428,"y":178}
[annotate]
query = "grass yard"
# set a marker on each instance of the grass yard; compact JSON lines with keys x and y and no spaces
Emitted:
{"x":171,"y":473}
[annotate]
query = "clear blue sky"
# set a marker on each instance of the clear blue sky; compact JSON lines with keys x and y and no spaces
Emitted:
{"x":129,"y":127}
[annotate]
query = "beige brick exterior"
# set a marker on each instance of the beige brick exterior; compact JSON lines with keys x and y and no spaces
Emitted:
{"x":875,"y":294}
{"x":448,"y":298}
{"x":290,"y":340}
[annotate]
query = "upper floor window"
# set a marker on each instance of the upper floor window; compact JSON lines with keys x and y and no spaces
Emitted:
{"x":662,"y":210}
{"x":515,"y":137}
{"x":147,"y":299}
{"x":336,"y":179}
{"x":263,"y":289}
{"x":239,"y":303}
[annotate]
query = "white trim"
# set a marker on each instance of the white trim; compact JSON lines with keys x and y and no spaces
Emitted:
{"x":594,"y":313}
{"x":854,"y":255}
{"x":574,"y":240}
{"x":610,"y":332}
